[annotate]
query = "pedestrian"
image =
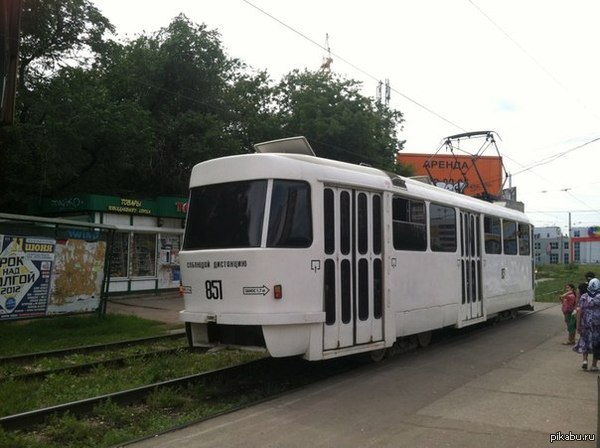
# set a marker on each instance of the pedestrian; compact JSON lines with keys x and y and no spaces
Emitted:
{"x":588,"y":276}
{"x":568,"y":302}
{"x":581,"y":290}
{"x":588,"y":325}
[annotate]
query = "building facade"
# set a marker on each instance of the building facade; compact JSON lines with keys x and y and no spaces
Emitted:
{"x":586,"y":244}
{"x":581,"y":246}
{"x":550,"y":246}
{"x":145,"y":250}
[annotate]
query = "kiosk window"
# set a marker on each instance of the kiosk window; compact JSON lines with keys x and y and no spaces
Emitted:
{"x":118,"y":259}
{"x":143,"y":255}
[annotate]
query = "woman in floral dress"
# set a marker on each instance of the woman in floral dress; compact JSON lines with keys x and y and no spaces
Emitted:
{"x":588,"y":325}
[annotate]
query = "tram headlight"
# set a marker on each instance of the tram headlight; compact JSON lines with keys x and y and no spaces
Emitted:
{"x":277,"y":292}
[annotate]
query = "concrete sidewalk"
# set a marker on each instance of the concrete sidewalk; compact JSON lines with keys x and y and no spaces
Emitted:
{"x":512,"y":385}
{"x":163,"y":307}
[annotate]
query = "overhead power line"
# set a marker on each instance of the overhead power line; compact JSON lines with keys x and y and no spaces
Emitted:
{"x":534,"y":60}
{"x":555,"y":157}
{"x":355,"y":67}
{"x":422,"y":106}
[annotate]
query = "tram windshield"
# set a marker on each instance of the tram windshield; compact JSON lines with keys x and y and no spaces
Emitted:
{"x":231,"y":215}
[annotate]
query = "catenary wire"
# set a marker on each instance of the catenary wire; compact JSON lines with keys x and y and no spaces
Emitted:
{"x":534,"y":60}
{"x":344,"y":60}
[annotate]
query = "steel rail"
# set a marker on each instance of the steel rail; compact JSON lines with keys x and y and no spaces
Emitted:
{"x":86,"y":348}
{"x":135,"y":395}
{"x":86,"y":367}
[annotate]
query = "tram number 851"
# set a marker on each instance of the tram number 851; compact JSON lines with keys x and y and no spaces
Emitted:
{"x":213,"y":290}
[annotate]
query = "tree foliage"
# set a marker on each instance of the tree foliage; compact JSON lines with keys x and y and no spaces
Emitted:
{"x":340,"y":122}
{"x":55,"y":33}
{"x":132,"y":117}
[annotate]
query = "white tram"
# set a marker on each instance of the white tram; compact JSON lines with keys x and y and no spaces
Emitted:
{"x":319,"y":258}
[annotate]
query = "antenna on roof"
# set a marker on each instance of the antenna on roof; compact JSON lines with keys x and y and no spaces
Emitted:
{"x":327,"y":60}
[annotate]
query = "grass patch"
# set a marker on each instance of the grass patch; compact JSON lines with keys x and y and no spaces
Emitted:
{"x":111,"y":424}
{"x":72,"y":331}
{"x":8,"y":369}
{"x":552,"y":278}
{"x":18,"y":396}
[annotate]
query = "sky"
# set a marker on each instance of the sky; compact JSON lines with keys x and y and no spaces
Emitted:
{"x":528,"y":70}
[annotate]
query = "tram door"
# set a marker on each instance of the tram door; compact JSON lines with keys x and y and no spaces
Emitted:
{"x":353,"y":270}
{"x":470,"y":261}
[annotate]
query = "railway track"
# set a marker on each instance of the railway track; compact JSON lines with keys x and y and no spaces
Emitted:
{"x":29,"y":357}
{"x":88,"y":366}
{"x":135,"y":395}
{"x":216,"y":391}
{"x":260,"y":378}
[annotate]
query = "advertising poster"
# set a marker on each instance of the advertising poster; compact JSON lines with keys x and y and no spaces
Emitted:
{"x":77,"y":277}
{"x":458,"y":173}
{"x":25,"y":276}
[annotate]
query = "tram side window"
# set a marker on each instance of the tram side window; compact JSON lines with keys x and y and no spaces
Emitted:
{"x":409,"y":224}
{"x":290,"y":219}
{"x":524,"y":239}
{"x":493,"y":235}
{"x":509,"y":234}
{"x":442,"y":225}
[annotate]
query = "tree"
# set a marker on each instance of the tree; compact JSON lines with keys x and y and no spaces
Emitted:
{"x":180,"y":76}
{"x":55,"y":36}
{"x":57,"y":33}
{"x":252,"y":110}
{"x":132,"y":118}
{"x":337,"y":119}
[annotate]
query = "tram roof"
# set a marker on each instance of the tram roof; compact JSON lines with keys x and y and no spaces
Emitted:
{"x":317,"y":169}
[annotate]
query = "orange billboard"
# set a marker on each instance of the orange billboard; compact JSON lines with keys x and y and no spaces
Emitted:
{"x":473,"y":176}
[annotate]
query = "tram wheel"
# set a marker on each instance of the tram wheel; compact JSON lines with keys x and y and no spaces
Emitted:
{"x":424,"y":338}
{"x":378,"y":355}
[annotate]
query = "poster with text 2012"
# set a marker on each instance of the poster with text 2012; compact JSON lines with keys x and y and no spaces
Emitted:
{"x":25,"y":271}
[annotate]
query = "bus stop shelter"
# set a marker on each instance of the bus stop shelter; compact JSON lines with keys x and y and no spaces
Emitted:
{"x":51,"y":266}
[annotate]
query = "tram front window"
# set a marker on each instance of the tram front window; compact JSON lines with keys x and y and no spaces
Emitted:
{"x":231,"y":215}
{"x":228,"y":215}
{"x":290,"y":220}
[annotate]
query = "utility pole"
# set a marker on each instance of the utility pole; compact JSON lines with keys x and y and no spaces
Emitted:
{"x":571,"y":249}
{"x":378,"y":91}
{"x":327,"y":60}
{"x":388,"y":92}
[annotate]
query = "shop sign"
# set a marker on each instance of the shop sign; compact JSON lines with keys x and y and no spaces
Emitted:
{"x":168,"y":206}
{"x":131,"y":206}
{"x":172,"y":206}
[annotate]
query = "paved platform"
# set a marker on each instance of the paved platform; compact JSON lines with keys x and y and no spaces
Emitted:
{"x":512,"y":385}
